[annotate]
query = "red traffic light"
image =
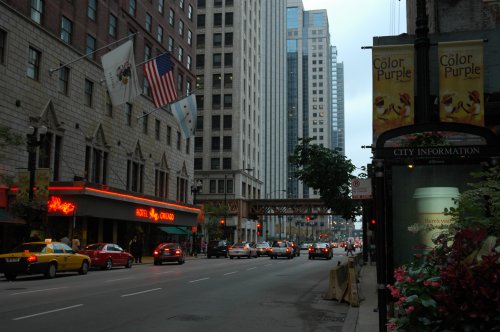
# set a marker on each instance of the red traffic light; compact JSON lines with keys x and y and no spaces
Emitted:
{"x":308,"y":218}
{"x":374,"y":221}
{"x":222,"y":221}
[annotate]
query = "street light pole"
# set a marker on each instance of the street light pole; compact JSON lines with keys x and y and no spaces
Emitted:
{"x":32,"y":143}
{"x":195,"y":189}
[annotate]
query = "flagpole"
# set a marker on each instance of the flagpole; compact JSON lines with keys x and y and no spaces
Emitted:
{"x":159,"y":108}
{"x":86,"y":55}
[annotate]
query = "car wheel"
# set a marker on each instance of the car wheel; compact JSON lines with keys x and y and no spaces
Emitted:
{"x":10,"y":276}
{"x":51,"y":271}
{"x":85,"y":268}
{"x":129,"y":263}
{"x":231,"y":257}
{"x":109,"y":265}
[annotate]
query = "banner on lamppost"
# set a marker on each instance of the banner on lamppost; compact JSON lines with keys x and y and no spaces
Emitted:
{"x":23,"y":184}
{"x":393,"y":91}
{"x":42,"y":179}
{"x":361,"y":188}
{"x":461,"y":82}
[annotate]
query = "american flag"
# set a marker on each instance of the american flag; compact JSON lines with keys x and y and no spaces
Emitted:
{"x":160,"y":75}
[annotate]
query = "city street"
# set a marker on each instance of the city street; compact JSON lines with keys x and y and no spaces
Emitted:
{"x":203,"y":294}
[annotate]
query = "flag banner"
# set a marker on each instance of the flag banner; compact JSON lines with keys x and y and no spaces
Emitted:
{"x":23,"y":185}
{"x":160,"y":75}
{"x":393,"y":91}
{"x":42,"y":180}
{"x":185,"y":112}
{"x":120,"y":74}
{"x":461,"y":82}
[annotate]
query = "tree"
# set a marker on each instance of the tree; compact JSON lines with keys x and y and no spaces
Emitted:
{"x":214,"y":213}
{"x":8,"y":138}
{"x":329,"y":172}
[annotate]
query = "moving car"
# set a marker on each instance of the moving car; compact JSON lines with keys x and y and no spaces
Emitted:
{"x":45,"y":258}
{"x":281,"y":248}
{"x":305,"y":246}
{"x":242,"y":249}
{"x":263,"y":248}
{"x":296,"y":248}
{"x":321,"y":250}
{"x":107,"y":255}
{"x":168,"y":252}
{"x":217,"y":248}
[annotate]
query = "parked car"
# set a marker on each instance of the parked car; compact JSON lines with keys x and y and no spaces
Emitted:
{"x":45,"y":258}
{"x":262,"y":248}
{"x":107,"y":255}
{"x":168,"y":252}
{"x":242,"y":249}
{"x":281,"y":248}
{"x":321,"y":250}
{"x":217,"y":248}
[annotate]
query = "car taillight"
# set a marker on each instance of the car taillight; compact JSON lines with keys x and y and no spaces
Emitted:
{"x":32,"y":259}
{"x":271,"y":249}
{"x":311,"y":249}
{"x":324,"y":249}
{"x":177,"y":252}
{"x":229,"y":248}
{"x":155,"y":252}
{"x":287,"y":250}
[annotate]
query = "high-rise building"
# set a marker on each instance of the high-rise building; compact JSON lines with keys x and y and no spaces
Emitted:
{"x":338,"y":125}
{"x":125,"y":168}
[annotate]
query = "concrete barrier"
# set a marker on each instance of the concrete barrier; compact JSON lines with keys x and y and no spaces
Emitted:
{"x":338,"y":283}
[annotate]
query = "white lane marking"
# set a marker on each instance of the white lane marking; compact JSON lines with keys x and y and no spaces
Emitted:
{"x":228,"y":273}
{"x":112,"y":280}
{"x":142,"y":292}
{"x":198,"y":280}
{"x":251,"y":268}
{"x":38,"y":290}
{"x":48,"y":312}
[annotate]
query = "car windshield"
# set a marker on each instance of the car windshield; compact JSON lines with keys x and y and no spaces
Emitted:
{"x":262,"y":245}
{"x":279,"y":244}
{"x":31,"y":247}
{"x":238,"y":245}
{"x":93,"y":247}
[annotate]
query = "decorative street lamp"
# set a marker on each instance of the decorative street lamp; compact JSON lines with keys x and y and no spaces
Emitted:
{"x":32,"y":143}
{"x":195,"y":189}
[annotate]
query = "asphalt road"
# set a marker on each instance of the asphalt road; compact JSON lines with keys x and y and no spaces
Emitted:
{"x":257,"y":294}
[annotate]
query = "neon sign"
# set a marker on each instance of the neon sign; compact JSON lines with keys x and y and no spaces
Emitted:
{"x":55,"y":204}
{"x":154,"y":215}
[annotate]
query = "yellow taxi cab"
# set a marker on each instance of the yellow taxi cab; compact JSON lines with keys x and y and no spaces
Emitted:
{"x":45,"y":257}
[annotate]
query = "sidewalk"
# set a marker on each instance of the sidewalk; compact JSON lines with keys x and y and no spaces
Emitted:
{"x":365,"y":317}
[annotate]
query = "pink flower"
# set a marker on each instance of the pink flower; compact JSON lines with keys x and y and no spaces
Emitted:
{"x":410,"y":309}
{"x":435,"y":284}
{"x":427,"y":283}
{"x":391,"y":325}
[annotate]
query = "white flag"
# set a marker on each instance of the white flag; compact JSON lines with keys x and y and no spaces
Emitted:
{"x":120,"y":74}
{"x":185,"y":112}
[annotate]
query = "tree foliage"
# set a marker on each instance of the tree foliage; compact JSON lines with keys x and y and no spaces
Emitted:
{"x":328,"y":171}
{"x":213,"y":214}
{"x":8,"y":138}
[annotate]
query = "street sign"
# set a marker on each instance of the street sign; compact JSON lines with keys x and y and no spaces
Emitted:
{"x":361,"y":188}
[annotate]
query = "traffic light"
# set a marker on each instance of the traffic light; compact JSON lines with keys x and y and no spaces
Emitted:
{"x":372,"y":225}
{"x":259,"y":229}
{"x":308,"y":218}
{"x":222,"y":222}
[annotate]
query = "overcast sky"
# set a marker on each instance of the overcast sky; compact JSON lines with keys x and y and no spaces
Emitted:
{"x":353,"y":24}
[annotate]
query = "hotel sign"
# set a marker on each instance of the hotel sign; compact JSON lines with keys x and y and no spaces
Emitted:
{"x":154,"y":214}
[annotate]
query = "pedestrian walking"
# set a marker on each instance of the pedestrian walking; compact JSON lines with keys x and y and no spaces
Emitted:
{"x":135,"y":249}
{"x":350,"y":248}
{"x":75,"y":243}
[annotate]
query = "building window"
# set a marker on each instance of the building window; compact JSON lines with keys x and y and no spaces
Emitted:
{"x":215,"y":122}
{"x":200,"y":21}
{"x":220,"y":186}
{"x":147,"y":52}
{"x":228,"y":122}
{"x":198,"y":164}
{"x":199,"y":123}
{"x":96,"y":165}
{"x":180,"y":82}
{"x":217,"y":39}
{"x":200,"y":61}
{"x":200,"y":41}
{"x":228,"y":39}
{"x":161,"y":183}
{"x":51,"y":147}
{"x":3,"y":44}
{"x":170,"y":44}
{"x":37,"y":11}
{"x":66,"y":29}
{"x":188,"y":62}
{"x":159,"y":34}
{"x":92,"y":9}
{"x":181,"y":4}
{"x":216,"y":60}
{"x":217,"y":19}
{"x":217,"y":3}
{"x":132,"y":5}
{"x":64,"y":80}
{"x":179,"y":140}
{"x":161,"y":6}
{"x":229,"y":20}
{"x":213,"y":186}
{"x":214,"y":163}
{"x":180,"y":54}
{"x":200,"y":102}
{"x":216,"y":101}
{"x":198,"y":144}
{"x":201,"y":3}
{"x":216,"y":81}
{"x":145,"y":120}
{"x":90,"y":47}
{"x":109,"y":105}
{"x":169,"y":136}
{"x":199,"y":85}
{"x":33,"y":69}
{"x":135,"y":176}
{"x":128,"y":114}
{"x":229,"y":2}
{"x":188,"y":87}
{"x":190,"y":12}
{"x":89,"y":91}
{"x":227,"y":143}
{"x":215,"y":144}
{"x":228,"y":59}
{"x":226,"y":163}
{"x":190,"y":37}
{"x":228,"y":100}
{"x":171,"y":17}
{"x":157,"y":129}
{"x":113,"y":25}
{"x":188,"y":144}
{"x":228,"y":81}
{"x":149,"y":22}
{"x":181,"y":28}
